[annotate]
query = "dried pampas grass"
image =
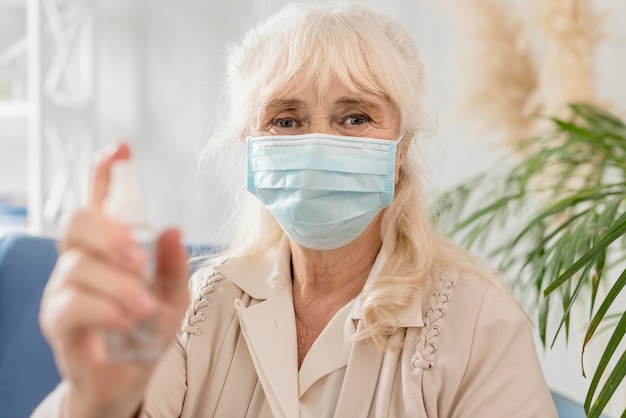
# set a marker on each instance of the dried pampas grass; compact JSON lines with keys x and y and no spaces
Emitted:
{"x":516,"y":69}
{"x":571,"y":31}
{"x":499,"y":70}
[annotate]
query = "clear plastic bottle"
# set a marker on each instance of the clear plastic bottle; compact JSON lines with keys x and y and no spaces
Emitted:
{"x":124,"y":203}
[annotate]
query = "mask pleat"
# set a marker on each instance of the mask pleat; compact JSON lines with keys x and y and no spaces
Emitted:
{"x":323,"y":190}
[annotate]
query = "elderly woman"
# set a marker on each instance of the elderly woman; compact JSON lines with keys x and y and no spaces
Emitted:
{"x":336,"y":297}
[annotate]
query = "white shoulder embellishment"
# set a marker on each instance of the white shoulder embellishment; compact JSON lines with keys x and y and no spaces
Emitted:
{"x":427,"y":341}
{"x":201,"y":299}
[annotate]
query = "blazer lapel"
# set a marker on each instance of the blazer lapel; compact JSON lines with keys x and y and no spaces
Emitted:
{"x":359,"y":385}
{"x":270,"y":332}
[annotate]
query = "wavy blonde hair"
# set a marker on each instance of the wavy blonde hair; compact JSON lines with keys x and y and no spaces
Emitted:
{"x":365,"y":51}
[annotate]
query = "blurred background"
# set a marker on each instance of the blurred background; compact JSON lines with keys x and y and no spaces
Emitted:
{"x":76,"y":75}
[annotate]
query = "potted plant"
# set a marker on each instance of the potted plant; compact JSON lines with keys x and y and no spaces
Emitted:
{"x":563,"y":204}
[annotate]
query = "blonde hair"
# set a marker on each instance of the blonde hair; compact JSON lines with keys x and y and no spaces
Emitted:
{"x":364,"y":51}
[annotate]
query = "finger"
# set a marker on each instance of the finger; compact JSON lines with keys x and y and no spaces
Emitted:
{"x":171,"y":271}
{"x":73,"y":310}
{"x":104,"y":238}
{"x":80,"y":270}
{"x":102,"y":174}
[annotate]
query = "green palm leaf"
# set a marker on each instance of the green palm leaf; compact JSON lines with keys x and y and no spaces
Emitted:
{"x":564,"y":204}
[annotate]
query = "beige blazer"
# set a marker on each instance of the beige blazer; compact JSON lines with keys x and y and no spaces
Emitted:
{"x":466,"y":351}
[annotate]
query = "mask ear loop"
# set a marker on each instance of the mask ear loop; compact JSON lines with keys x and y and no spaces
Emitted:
{"x":402,"y":147}
{"x":402,"y":150}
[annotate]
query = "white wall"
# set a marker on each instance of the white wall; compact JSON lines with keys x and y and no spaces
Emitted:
{"x":160,"y":65}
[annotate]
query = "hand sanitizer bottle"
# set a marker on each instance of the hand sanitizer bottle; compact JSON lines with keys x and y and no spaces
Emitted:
{"x":124,"y":204}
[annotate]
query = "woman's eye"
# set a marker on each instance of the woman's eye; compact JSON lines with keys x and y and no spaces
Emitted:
{"x":284,"y":123}
{"x":357,"y":119}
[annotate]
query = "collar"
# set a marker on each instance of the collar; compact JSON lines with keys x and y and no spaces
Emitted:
{"x":263,"y":275}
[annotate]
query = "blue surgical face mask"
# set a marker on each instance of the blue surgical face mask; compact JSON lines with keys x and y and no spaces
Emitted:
{"x":323,"y":190}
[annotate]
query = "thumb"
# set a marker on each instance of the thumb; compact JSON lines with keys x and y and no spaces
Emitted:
{"x":171,"y":269}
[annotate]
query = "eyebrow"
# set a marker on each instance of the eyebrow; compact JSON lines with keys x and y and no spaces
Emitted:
{"x":357,"y":102}
{"x":285,"y":103}
{"x":296,"y":103}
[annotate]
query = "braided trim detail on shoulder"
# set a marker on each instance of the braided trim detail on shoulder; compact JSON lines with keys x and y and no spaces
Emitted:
{"x":201,"y":299}
{"x":427,"y":341}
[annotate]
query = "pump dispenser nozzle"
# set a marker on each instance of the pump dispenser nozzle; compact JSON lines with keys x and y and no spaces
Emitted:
{"x":124,"y":201}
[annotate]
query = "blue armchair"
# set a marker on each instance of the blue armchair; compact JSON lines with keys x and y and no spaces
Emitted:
{"x":27,"y":369}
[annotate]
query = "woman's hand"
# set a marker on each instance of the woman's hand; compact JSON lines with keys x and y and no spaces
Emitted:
{"x":95,"y":287}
